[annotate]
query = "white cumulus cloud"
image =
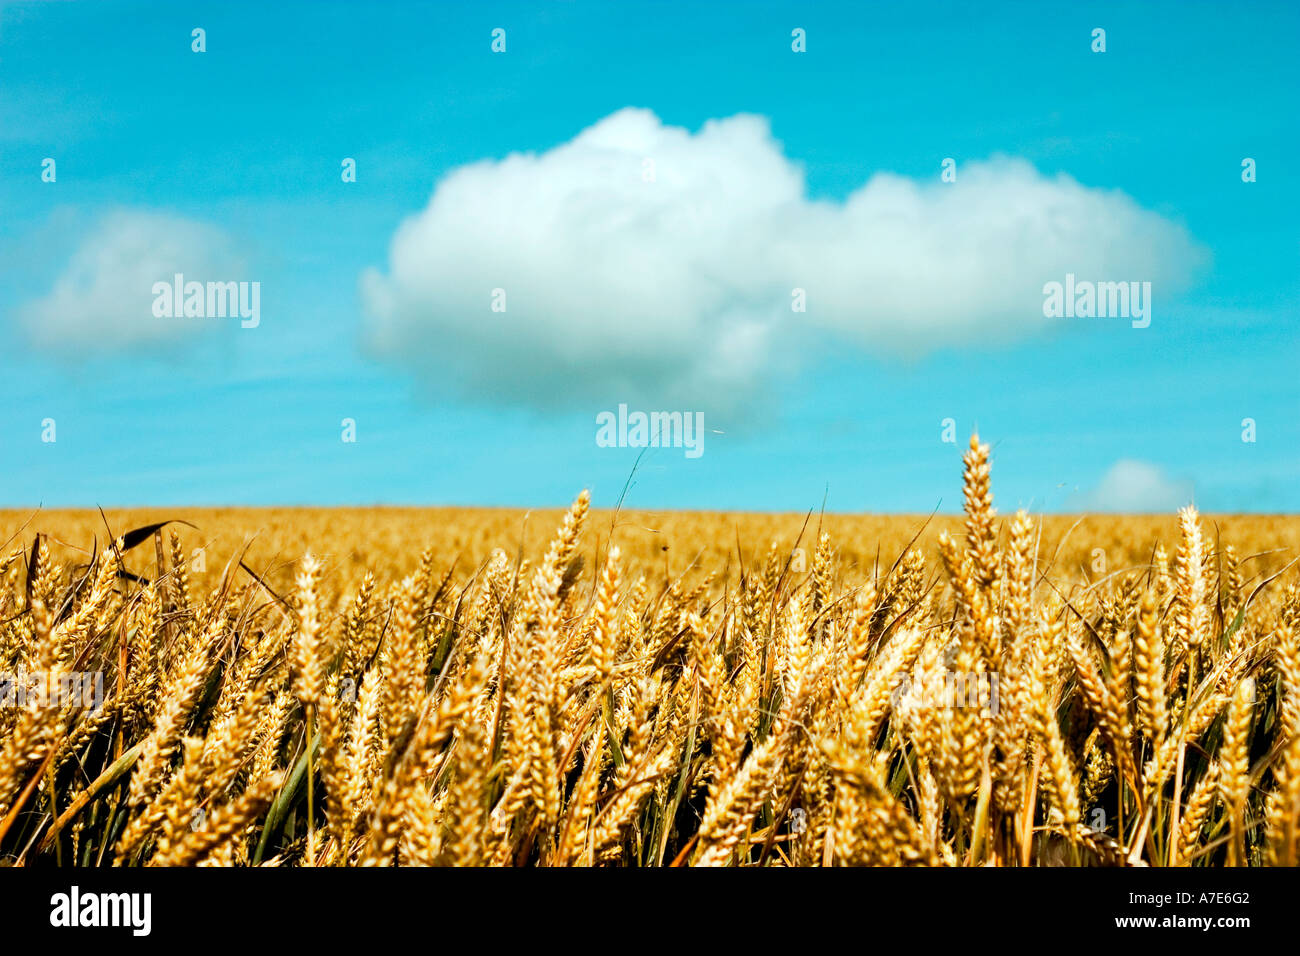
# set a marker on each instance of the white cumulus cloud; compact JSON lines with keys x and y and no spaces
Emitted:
{"x":640,"y":259}
{"x":103,"y":299}
{"x":1135,"y":487}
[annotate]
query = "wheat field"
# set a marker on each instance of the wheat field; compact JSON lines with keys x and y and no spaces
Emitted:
{"x":487,"y":687}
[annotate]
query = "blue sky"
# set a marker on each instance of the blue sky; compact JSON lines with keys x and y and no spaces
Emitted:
{"x":822,"y":171}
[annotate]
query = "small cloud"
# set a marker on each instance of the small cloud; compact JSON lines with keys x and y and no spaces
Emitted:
{"x":645,"y":259}
{"x":103,"y":299}
{"x":1134,"y":487}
